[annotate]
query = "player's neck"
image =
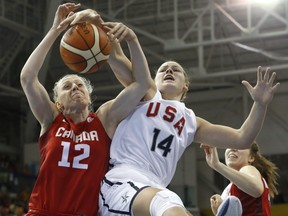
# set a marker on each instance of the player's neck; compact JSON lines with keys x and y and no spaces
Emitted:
{"x":78,"y":117}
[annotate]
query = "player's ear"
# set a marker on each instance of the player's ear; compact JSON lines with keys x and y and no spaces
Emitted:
{"x":251,"y":159}
{"x":185,"y":87}
{"x":59,"y":106}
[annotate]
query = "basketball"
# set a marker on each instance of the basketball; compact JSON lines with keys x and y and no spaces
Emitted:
{"x":84,"y":48}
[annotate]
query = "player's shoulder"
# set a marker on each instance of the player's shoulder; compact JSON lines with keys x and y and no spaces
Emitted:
{"x":106,"y":117}
{"x":104,"y":108}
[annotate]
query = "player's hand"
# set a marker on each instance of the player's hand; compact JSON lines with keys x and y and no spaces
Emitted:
{"x":211,"y":153}
{"x":88,"y":15}
{"x":119,"y":31}
{"x":64,"y":11}
{"x":264,"y":89}
{"x":215,"y":202}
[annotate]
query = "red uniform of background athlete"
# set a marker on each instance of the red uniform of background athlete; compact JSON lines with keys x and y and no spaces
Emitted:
{"x":253,"y":206}
{"x":74,"y":159}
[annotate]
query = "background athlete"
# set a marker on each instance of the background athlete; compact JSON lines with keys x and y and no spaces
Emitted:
{"x":253,"y":179}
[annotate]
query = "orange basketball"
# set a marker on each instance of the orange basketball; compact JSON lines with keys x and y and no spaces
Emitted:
{"x":84,"y":48}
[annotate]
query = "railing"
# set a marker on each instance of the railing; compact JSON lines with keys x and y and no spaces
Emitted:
{"x":27,"y":13}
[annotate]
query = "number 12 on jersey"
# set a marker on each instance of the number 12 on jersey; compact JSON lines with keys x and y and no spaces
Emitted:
{"x":85,"y":152}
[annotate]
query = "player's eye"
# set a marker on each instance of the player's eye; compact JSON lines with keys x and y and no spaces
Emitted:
{"x":66,"y":86}
{"x":161,"y":70}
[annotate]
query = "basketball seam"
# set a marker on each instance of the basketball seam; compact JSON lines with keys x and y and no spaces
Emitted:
{"x":83,"y":38}
{"x":95,"y":56}
{"x":100,"y":51}
{"x":74,"y":54}
{"x":100,"y":43}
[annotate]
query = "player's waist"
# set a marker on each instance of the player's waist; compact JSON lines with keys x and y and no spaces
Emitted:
{"x":124,"y":172}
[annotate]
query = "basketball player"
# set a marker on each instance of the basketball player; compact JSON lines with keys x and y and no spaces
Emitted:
{"x":149,"y":142}
{"x":74,"y":142}
{"x":253,"y":181}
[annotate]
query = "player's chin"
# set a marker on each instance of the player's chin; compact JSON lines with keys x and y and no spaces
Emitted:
{"x":83,"y":102}
{"x":79,"y":101}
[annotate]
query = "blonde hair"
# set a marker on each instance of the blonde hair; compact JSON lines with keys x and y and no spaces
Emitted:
{"x":267,"y":169}
{"x":86,"y":82}
{"x":187,"y":81}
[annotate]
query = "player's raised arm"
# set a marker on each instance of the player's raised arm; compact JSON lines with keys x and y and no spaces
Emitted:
{"x":227,"y":137}
{"x":121,"y":65}
{"x":37,"y":96}
{"x":128,"y":98}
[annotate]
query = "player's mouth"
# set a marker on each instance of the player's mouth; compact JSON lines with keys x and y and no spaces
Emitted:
{"x":231,"y":155}
{"x":76,"y":94}
{"x":169,"y":77}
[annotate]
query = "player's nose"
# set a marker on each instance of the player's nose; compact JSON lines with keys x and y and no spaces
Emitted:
{"x":75,"y":87}
{"x":169,"y":70}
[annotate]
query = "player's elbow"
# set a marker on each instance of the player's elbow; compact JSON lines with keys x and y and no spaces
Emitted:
{"x":245,"y":144}
{"x":24,"y":79}
{"x":244,"y":140}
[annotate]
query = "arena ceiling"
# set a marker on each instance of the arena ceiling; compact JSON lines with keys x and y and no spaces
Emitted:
{"x":219,"y":42}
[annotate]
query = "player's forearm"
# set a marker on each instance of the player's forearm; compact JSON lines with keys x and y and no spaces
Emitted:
{"x":120,"y":64}
{"x":253,"y":124}
{"x":140,"y":69}
{"x":36,"y":59}
{"x":243,"y":181}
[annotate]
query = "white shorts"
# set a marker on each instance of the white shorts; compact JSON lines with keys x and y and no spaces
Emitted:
{"x":116,"y":198}
{"x":118,"y":190}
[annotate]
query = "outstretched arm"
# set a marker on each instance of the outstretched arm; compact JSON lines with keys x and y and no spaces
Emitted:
{"x":38,"y":98}
{"x":227,"y":137}
{"x":112,"y":112}
{"x":247,"y":179}
{"x":119,"y":63}
{"x":127,"y":70}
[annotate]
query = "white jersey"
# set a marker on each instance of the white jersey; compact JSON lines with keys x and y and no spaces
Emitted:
{"x":152,"y":139}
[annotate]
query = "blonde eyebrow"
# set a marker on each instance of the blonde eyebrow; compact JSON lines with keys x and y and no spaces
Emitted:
{"x":65,"y":82}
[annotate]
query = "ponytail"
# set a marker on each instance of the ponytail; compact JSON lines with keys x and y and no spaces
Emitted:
{"x":267,"y":169}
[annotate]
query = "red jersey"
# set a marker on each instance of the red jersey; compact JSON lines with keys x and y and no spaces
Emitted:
{"x":74,"y":160}
{"x":253,"y":206}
